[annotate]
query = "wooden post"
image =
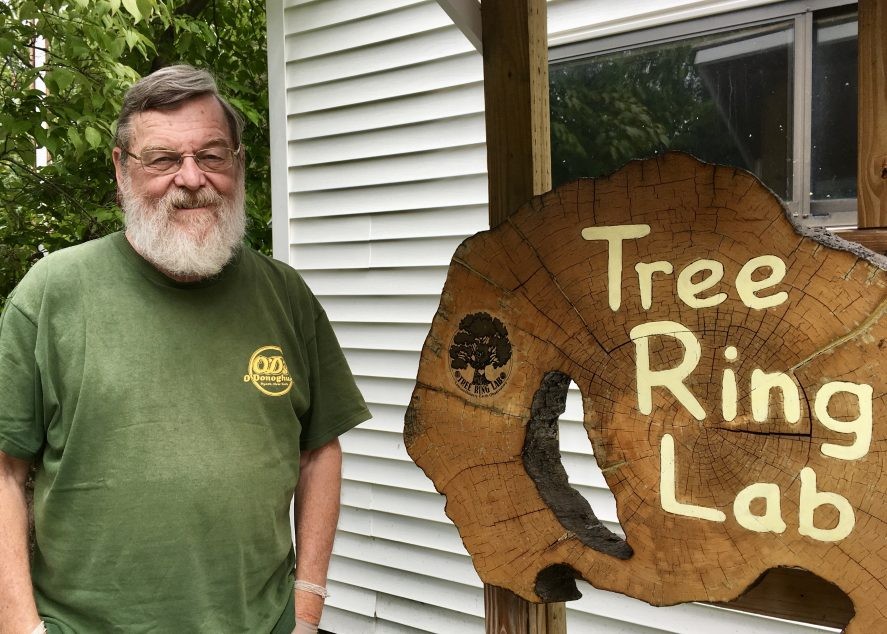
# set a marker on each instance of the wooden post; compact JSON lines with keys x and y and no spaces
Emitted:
{"x":515,"y":47}
{"x":871,"y":162}
{"x":507,"y":613}
{"x":872,"y":159}
{"x":515,"y":39}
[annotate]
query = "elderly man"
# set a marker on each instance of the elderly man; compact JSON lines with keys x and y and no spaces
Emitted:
{"x":174,"y":389}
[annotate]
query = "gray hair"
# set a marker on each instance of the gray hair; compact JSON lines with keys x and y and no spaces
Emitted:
{"x":167,"y":88}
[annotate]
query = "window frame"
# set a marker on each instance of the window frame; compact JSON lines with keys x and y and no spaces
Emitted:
{"x":833,"y":214}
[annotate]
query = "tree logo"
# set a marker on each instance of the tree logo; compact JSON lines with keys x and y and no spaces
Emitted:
{"x":480,"y":355}
{"x":268,"y":372}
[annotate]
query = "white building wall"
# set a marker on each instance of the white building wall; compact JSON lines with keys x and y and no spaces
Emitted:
{"x":379,"y":158}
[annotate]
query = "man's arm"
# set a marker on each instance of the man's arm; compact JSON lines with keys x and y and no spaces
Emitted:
{"x":316,"y":516}
{"x":18,"y":612}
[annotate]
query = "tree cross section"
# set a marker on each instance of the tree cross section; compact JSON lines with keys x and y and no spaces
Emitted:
{"x":734,"y":411}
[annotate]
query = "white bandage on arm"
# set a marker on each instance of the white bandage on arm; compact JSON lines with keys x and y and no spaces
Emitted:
{"x":313,"y":588}
{"x":40,"y":629}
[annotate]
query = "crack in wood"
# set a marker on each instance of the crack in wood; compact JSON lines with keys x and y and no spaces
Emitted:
{"x":853,"y":334}
{"x":613,"y":467}
{"x":553,"y":278}
{"x":530,"y":301}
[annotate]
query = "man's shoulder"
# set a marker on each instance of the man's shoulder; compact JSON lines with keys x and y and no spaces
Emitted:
{"x":276,"y":272}
{"x":86,"y":252}
{"x":62,"y":269}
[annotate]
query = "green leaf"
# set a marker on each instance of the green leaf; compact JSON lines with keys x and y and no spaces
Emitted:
{"x":146,"y":7}
{"x":147,"y":44}
{"x":132,"y":8}
{"x":82,"y":3}
{"x":116,"y":47}
{"x":93,"y":137}
{"x":105,"y":214}
{"x":27,"y":11}
{"x":17,"y":126}
{"x":132,"y":38}
{"x":5,"y":46}
{"x":78,"y":49}
{"x":115,"y":6}
{"x":41,"y":137}
{"x":61,"y":77}
{"x":75,"y":138}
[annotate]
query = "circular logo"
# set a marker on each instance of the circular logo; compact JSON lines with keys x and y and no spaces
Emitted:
{"x":480,"y":355}
{"x":268,"y":372}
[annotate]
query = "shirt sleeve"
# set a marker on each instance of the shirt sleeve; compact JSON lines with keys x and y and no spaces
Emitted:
{"x":336,"y":402}
{"x":21,"y":429}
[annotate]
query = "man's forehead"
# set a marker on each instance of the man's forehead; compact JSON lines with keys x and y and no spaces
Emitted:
{"x":201,"y":117}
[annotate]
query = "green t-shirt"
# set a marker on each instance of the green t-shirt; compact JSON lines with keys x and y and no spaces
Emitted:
{"x":167,"y":420}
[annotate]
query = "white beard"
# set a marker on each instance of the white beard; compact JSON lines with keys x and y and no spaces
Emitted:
{"x":185,"y":244}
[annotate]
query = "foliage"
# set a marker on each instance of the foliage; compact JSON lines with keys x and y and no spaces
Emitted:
{"x":608,"y":110}
{"x":95,"y":49}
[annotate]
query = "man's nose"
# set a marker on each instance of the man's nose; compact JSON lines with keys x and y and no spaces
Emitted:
{"x":189,"y":175}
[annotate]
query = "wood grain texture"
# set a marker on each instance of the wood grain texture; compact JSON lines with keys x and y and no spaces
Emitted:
{"x":872,"y":239}
{"x":508,"y":613}
{"x":530,"y":300}
{"x":515,"y":36}
{"x":872,"y":132}
{"x":515,"y":40}
{"x":795,"y":594}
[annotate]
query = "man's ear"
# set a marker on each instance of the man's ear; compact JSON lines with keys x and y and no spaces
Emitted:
{"x":116,"y":156}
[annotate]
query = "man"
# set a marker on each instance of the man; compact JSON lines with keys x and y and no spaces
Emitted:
{"x":174,"y":389}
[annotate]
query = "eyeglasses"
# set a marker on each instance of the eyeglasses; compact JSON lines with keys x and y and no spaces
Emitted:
{"x":210,"y":159}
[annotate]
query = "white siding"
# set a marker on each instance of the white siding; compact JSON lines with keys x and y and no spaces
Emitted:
{"x":385,"y":176}
{"x":380,"y":171}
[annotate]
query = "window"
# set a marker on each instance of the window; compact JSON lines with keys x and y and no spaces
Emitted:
{"x":774,"y":93}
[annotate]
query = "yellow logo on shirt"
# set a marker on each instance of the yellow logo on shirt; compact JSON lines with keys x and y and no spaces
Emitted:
{"x":268,"y":372}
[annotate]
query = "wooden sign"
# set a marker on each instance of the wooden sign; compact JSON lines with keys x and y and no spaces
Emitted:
{"x":731,"y":371}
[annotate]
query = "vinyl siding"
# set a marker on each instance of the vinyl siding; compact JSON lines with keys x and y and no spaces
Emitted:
{"x":385,"y":176}
{"x":379,"y":173}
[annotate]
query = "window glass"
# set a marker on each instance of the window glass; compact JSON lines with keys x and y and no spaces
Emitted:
{"x":833,"y":109}
{"x":726,"y":98}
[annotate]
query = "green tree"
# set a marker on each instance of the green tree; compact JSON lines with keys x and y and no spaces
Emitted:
{"x":610,"y":109}
{"x":94,"y":50}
